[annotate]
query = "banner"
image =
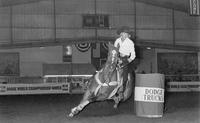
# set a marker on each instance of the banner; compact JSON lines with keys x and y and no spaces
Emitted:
{"x":42,"y":88}
{"x":83,"y":47}
{"x":194,"y":7}
{"x":183,"y":86}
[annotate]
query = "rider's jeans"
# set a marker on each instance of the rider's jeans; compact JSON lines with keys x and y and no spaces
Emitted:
{"x":125,"y":72}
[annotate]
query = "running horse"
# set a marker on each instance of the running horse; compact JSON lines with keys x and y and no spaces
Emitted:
{"x":105,"y":83}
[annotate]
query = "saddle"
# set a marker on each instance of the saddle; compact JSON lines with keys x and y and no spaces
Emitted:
{"x":118,"y":83}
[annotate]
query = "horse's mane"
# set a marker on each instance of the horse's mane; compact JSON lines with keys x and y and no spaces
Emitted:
{"x":108,"y":68}
{"x":111,"y":47}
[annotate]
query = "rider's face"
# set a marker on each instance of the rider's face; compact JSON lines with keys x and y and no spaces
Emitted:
{"x":124,"y":35}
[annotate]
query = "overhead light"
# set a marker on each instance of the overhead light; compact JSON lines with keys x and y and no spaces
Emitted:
{"x":149,"y":48}
{"x":68,"y":50}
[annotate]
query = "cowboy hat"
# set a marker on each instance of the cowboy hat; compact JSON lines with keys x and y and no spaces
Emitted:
{"x":124,"y":29}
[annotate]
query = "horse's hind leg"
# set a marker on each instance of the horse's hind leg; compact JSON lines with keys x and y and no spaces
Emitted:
{"x":85,"y":101}
{"x":117,"y":100}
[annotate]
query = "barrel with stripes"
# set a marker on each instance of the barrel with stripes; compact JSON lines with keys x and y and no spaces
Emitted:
{"x":149,"y":95}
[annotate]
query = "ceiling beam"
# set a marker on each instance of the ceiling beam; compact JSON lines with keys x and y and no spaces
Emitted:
{"x":5,"y":3}
{"x":169,"y":4}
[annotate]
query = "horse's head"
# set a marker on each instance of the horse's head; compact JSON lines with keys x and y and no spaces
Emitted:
{"x":111,"y":62}
{"x":112,"y":55}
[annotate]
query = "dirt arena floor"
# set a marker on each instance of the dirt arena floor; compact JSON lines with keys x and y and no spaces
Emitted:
{"x":181,"y":108}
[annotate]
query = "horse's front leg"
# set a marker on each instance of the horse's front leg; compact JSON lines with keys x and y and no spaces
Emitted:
{"x":78,"y":108}
{"x":85,"y":101}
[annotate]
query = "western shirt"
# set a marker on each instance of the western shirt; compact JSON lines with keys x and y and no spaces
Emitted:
{"x":126,"y":47}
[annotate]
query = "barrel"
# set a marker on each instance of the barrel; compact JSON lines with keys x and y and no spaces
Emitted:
{"x":149,"y":95}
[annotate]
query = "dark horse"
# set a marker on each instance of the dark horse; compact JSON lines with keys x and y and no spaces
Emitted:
{"x":104,"y":84}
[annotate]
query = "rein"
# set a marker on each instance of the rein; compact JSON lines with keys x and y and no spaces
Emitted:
{"x":117,"y":83}
{"x":120,"y":67}
{"x":112,"y":83}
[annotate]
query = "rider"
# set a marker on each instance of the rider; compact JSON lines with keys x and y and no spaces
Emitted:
{"x":127,"y":53}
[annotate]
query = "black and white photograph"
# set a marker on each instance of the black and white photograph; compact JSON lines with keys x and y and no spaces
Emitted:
{"x":99,"y":61}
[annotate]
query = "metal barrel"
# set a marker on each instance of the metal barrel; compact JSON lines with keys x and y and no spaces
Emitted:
{"x":149,"y":95}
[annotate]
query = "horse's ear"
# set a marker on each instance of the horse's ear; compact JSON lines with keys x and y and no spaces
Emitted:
{"x":117,"y":49}
{"x":110,"y":45}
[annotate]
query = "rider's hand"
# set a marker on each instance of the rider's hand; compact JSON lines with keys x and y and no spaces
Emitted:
{"x":120,"y":61}
{"x":129,"y":60}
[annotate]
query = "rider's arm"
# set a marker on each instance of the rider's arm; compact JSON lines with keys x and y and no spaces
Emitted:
{"x":132,"y":51}
{"x":116,"y":43}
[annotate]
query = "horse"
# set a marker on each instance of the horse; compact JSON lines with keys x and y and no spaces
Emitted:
{"x":105,"y":83}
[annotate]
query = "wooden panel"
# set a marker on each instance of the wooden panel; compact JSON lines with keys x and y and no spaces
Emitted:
{"x":4,"y":25}
{"x":4,"y":41}
{"x":70,"y":21}
{"x":115,"y":7}
{"x":57,"y":69}
{"x":51,"y":54}
{"x":4,"y":20}
{"x":80,"y":57}
{"x":126,"y":7}
{"x":104,"y":7}
{"x":122,"y":20}
{"x":32,"y":34}
{"x":33,"y":21}
{"x":4,"y":33}
{"x":191,"y":35}
{"x":107,"y":33}
{"x":5,"y":10}
{"x":187,"y":29}
{"x":183,"y":20}
{"x":75,"y":33}
{"x":31,"y":69}
{"x":9,"y":64}
{"x":158,"y":35}
{"x":68,"y":69}
{"x":154,"y":22}
{"x":146,"y":9}
{"x":74,"y":6}
{"x":43,"y":55}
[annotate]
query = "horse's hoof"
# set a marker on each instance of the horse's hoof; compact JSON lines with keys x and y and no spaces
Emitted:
{"x":71,"y":115}
{"x":115,"y":106}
